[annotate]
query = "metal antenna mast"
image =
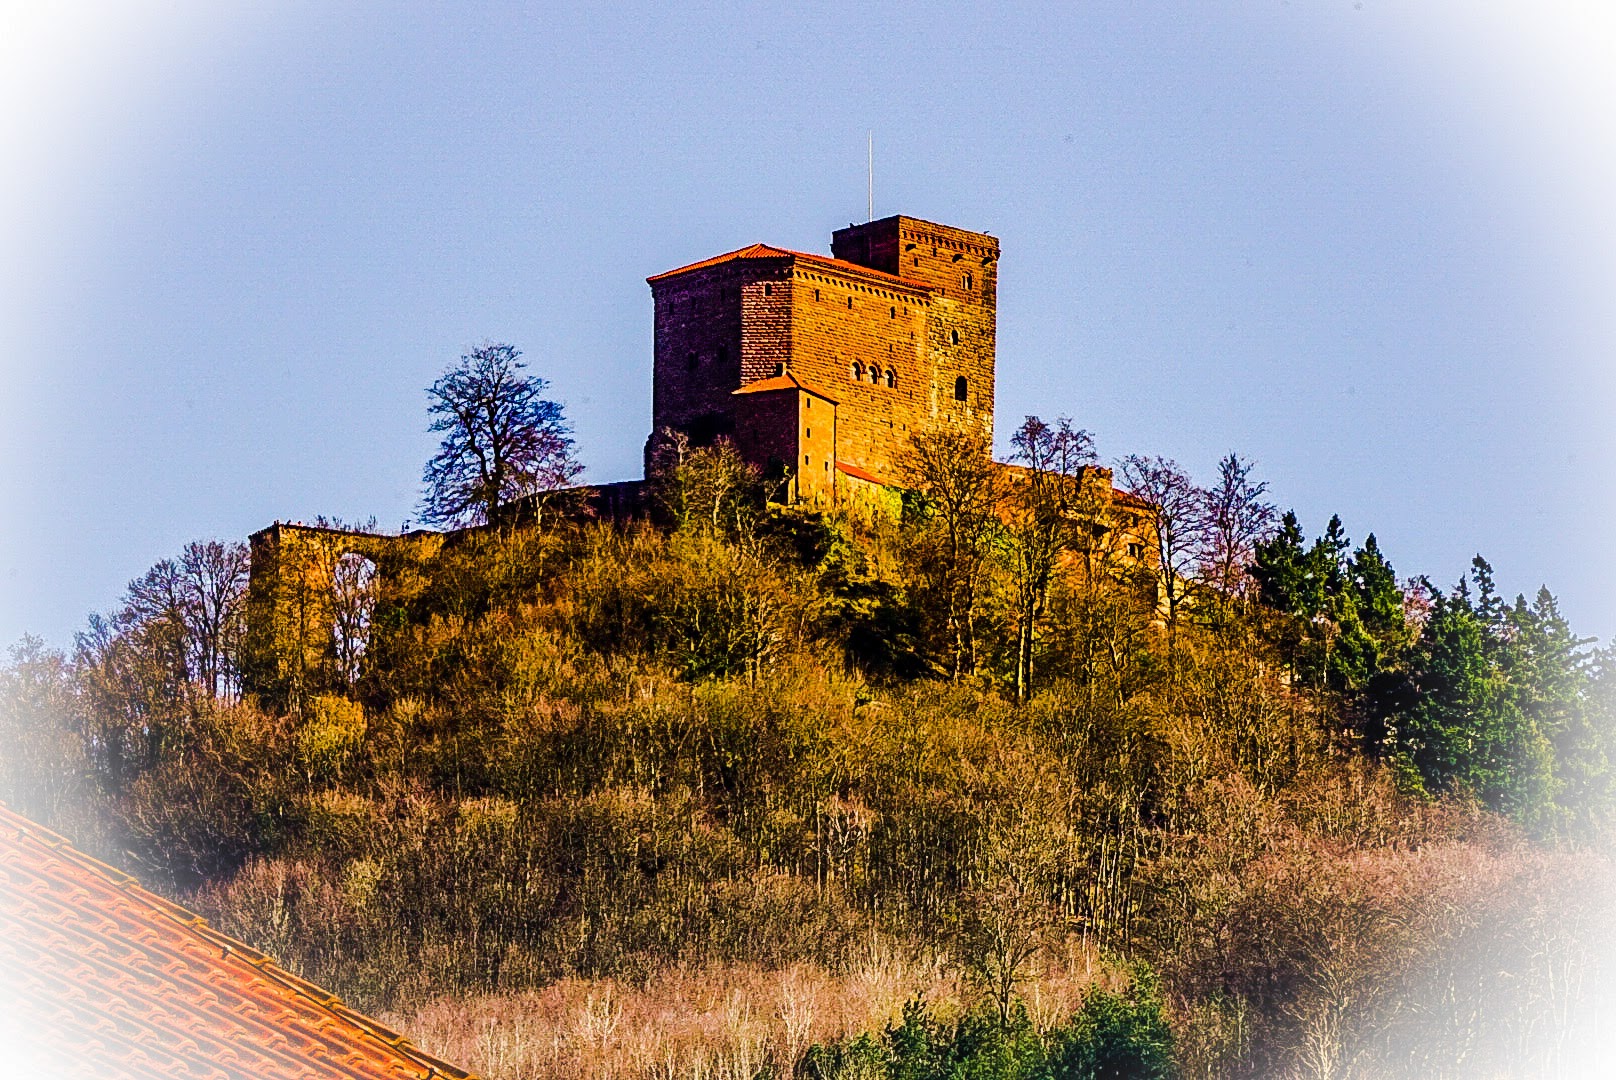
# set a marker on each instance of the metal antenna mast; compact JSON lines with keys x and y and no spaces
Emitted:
{"x":872,"y":176}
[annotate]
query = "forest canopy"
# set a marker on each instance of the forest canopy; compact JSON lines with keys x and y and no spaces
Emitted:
{"x":991,"y":789}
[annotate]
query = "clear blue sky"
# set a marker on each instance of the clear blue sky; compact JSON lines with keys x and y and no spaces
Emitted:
{"x":1371,"y":245}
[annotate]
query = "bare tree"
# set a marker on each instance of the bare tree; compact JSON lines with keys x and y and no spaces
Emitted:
{"x":353,"y":602}
{"x":705,"y":488}
{"x":1237,"y":520}
{"x":190,"y":610}
{"x":960,"y":489}
{"x":1006,"y":918}
{"x":1041,"y":516}
{"x":1178,"y":520}
{"x":502,"y":440}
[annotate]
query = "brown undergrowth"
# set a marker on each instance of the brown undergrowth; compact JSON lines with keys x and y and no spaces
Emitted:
{"x":719,"y":1022}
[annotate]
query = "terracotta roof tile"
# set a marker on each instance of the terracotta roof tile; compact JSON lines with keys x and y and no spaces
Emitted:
{"x":824,"y":262}
{"x":865,"y":475}
{"x":783,"y":381}
{"x":107,"y":979}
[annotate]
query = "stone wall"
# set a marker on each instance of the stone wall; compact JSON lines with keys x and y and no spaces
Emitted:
{"x":288,"y":654}
{"x":899,"y":327}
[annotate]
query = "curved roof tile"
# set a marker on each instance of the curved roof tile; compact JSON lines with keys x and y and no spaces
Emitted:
{"x":99,"y":977}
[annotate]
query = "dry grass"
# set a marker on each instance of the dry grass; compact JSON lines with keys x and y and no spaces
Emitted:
{"x":724,"y":1022}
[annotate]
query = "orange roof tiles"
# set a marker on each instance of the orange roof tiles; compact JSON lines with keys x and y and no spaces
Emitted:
{"x":784,"y":381}
{"x":825,"y":262}
{"x":99,"y":977}
{"x":864,"y":474}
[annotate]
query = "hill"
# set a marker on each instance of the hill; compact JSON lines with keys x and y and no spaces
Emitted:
{"x":756,"y":790}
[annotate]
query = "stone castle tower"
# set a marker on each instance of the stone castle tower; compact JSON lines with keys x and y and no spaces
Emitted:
{"x":822,"y":368}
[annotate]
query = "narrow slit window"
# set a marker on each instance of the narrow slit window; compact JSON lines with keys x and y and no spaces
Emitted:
{"x":961,"y":388}
{"x":953,"y":337}
{"x":768,"y":289}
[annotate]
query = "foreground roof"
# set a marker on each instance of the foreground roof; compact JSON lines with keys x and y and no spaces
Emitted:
{"x":100,"y":977}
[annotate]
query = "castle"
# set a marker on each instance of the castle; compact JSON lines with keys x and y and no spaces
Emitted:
{"x":820,"y":370}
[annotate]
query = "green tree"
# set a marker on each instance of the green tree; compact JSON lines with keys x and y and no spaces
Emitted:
{"x":1552,"y":673}
{"x":1340,"y":618}
{"x":1118,"y":1036}
{"x":1465,"y":729}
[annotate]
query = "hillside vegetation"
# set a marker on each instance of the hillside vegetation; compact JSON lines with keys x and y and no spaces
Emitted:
{"x":757,"y":792}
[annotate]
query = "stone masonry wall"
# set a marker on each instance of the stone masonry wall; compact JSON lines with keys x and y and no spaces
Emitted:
{"x":850,"y":338}
{"x":898,"y":356}
{"x":962,"y":269}
{"x":696,"y":352}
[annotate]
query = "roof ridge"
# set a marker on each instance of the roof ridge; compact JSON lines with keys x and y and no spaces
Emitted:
{"x":195,"y":925}
{"x":769,"y":251}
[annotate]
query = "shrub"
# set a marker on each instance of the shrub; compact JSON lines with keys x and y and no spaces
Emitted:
{"x":1117,"y":1036}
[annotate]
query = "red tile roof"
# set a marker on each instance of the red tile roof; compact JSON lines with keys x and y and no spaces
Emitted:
{"x":824,"y":262}
{"x":864,"y":474}
{"x":106,"y":979}
{"x":783,"y":381}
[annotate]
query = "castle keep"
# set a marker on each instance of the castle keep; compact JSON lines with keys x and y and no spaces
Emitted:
{"x":821,"y":369}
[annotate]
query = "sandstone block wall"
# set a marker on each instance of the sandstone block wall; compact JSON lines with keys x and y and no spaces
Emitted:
{"x":899,"y":327}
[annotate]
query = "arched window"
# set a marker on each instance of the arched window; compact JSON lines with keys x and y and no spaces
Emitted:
{"x":858,"y":371}
{"x":875,"y":374}
{"x":892,"y":377}
{"x":892,"y":313}
{"x":961,"y":388}
{"x":953,"y":337}
{"x":353,"y":601}
{"x":850,"y":303}
{"x":966,"y":281}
